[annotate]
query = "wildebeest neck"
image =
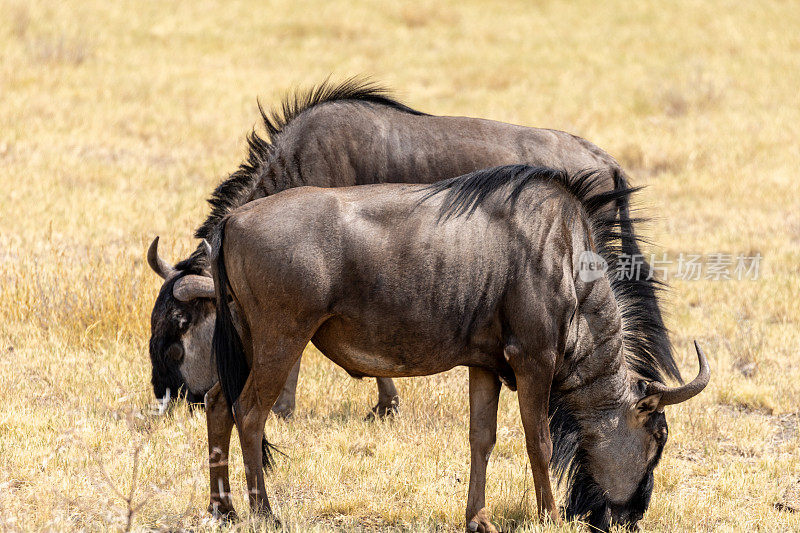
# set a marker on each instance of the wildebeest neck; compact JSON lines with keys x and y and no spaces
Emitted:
{"x":594,"y":375}
{"x":588,"y":391}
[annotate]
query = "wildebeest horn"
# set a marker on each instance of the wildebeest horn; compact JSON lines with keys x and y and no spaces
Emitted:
{"x":670,"y":396}
{"x":159,"y":266}
{"x":193,"y":286}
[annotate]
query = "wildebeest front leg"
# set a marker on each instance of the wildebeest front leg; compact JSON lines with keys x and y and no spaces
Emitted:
{"x":533,"y":390}
{"x":284,"y":407}
{"x":220,"y":423}
{"x":388,"y":399}
{"x":484,"y":392}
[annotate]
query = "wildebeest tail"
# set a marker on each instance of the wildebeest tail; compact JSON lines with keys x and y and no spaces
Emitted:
{"x":232,"y":366}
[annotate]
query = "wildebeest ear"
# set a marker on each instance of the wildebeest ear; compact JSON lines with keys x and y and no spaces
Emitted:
{"x":645,"y":407}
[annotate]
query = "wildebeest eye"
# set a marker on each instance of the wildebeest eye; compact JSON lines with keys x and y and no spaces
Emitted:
{"x":175,"y":352}
{"x":181,"y":320}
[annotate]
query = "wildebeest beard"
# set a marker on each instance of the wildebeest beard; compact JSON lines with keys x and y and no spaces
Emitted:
{"x":585,"y":500}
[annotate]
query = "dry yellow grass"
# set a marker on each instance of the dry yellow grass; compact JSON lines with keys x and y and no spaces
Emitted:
{"x":117,"y":119}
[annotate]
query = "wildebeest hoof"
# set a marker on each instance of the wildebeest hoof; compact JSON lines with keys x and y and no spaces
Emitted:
{"x":283,"y":410}
{"x":480,"y":523}
{"x":475,"y":527}
{"x":275,"y":522}
{"x":384,"y":409}
{"x":222,"y":512}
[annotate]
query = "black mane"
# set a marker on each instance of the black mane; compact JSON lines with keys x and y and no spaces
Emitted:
{"x":644,"y":335}
{"x":637,"y":296}
{"x":356,"y":88}
{"x":239,"y":188}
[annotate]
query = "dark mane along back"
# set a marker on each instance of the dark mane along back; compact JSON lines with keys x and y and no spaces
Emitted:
{"x":636,"y":295}
{"x":356,"y":88}
{"x":241,"y":186}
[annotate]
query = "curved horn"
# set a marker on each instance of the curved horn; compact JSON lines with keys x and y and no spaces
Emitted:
{"x":159,"y":266}
{"x":193,"y":286}
{"x":670,"y":396}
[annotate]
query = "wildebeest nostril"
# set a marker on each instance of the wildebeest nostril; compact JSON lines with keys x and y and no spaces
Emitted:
{"x":175,"y":352}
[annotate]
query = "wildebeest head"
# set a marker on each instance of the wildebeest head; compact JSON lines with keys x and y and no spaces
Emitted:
{"x":613,"y":471}
{"x":181,"y":328}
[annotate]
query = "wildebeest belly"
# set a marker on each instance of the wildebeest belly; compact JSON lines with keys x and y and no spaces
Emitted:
{"x":387,"y":352}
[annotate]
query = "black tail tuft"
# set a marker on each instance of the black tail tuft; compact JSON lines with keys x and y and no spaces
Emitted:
{"x":232,"y":364}
{"x":267,"y":460}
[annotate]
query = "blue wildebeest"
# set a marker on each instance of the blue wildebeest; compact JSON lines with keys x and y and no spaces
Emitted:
{"x":481,"y":271}
{"x":351,"y":134}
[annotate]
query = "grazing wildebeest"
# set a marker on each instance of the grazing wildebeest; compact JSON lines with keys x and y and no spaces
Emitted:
{"x":482,"y":271}
{"x":353,"y":134}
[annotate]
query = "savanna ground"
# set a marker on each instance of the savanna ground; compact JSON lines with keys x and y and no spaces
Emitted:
{"x":118,"y":118}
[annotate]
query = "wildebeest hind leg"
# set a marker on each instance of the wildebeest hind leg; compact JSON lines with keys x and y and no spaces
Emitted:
{"x":220,"y":423}
{"x":273,"y":359}
{"x":388,"y":399}
{"x":484,"y":392}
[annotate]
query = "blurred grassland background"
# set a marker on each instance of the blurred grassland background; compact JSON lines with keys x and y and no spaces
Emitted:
{"x":118,"y":118}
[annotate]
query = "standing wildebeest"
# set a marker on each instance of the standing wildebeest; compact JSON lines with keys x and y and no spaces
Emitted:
{"x":481,"y":270}
{"x":353,"y":134}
